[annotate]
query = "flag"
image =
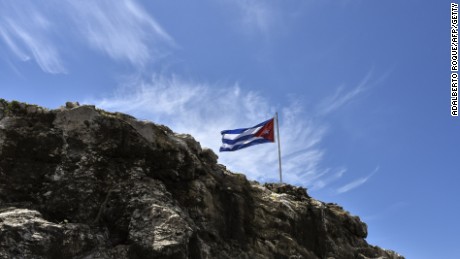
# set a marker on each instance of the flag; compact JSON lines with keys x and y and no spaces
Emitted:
{"x":240,"y":138}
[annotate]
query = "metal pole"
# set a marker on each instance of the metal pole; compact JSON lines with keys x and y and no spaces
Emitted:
{"x":279,"y":146}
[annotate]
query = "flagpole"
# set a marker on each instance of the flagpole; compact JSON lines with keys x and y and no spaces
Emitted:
{"x":279,"y":146}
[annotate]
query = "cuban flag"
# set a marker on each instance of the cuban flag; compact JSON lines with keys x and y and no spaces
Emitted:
{"x":241,"y":138}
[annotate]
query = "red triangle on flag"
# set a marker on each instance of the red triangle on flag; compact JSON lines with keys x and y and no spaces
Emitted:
{"x":267,"y":131}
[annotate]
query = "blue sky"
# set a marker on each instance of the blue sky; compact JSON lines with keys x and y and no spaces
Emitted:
{"x":362,"y":89}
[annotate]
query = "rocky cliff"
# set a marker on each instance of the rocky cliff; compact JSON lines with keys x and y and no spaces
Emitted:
{"x":79,"y":182}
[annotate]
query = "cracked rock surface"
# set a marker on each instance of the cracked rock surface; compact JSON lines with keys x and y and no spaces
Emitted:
{"x":80,"y":182}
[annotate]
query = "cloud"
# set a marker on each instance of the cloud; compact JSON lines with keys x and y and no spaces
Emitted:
{"x":27,"y":32}
{"x":203,"y":110}
{"x":5,"y":35}
{"x":255,"y":15}
{"x":332,"y":177}
{"x":121,"y":29}
{"x":356,"y":183}
{"x":385,"y":211}
{"x":340,"y":98}
{"x":42,"y":32}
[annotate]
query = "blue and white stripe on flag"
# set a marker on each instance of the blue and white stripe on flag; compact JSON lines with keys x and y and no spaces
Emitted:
{"x":241,"y":138}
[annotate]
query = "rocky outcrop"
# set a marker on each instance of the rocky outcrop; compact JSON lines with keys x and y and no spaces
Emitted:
{"x":79,"y":182}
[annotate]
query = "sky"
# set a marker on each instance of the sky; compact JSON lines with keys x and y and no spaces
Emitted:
{"x":362,"y":88}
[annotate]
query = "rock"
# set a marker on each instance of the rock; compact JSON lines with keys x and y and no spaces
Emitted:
{"x":25,"y":234}
{"x":31,"y":109}
{"x":209,"y":156}
{"x":71,"y":105}
{"x":79,"y":182}
{"x":296,"y":192}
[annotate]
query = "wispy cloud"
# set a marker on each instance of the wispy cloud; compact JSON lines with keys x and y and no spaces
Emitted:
{"x":42,"y":32}
{"x":341,"y":98}
{"x":27,"y":32}
{"x":356,"y":183}
{"x":5,"y":35}
{"x":255,"y":15}
{"x":385,"y":211}
{"x":329,"y":178}
{"x":204,"y":109}
{"x":121,"y":29}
